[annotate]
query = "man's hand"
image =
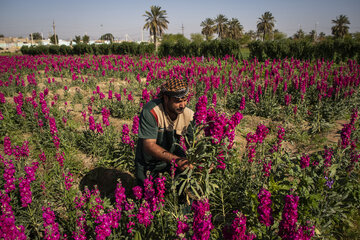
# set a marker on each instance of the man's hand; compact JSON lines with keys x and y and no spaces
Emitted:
{"x":183,"y":164}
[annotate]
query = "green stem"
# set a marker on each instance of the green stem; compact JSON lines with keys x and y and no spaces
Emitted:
{"x":33,"y":220}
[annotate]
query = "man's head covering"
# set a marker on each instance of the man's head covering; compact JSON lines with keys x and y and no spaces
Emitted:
{"x":174,"y":88}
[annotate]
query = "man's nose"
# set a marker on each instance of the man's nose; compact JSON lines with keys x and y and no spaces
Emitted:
{"x":182,"y":104}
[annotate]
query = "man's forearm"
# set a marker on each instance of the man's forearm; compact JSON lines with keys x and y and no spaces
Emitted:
{"x":159,"y":153}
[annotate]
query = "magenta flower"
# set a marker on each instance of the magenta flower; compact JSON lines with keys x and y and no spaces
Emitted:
{"x":287,"y":99}
{"x":202,"y":224}
{"x":328,"y":153}
{"x":287,"y":226}
{"x":9,"y":171}
{"x":144,"y":215}
{"x":160,"y":187}
{"x":68,"y":180}
{"x":242,"y":104}
{"x":51,"y":227}
{"x":99,"y":128}
{"x":8,"y":228}
{"x":105,"y":116}
{"x":80,"y":233}
{"x":200,"y":110}
{"x":214,"y":100}
{"x":135,"y":125}
{"x":54,"y":132}
{"x":120,"y":197}
{"x":182,"y":228}
{"x":304,"y":161}
{"x":237,"y":231}
{"x":149,"y":193}
{"x":264,"y":208}
{"x":7,"y":146}
{"x":92,"y":124}
{"x":137,"y":192}
{"x":145,"y":95}
{"x":267,"y":168}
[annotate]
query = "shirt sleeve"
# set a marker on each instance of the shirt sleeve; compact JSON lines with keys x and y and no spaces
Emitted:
{"x":148,"y":128}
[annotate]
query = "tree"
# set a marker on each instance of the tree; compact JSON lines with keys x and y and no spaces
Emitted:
{"x":77,"y":39}
{"x":197,"y":37}
{"x":235,"y":29}
{"x":278,"y":35}
{"x":312,"y":35}
{"x":221,"y":25}
{"x":86,"y":39}
{"x":208,"y":28}
{"x":300,"y":34}
{"x":265,"y":24}
{"x":252,"y":34}
{"x":156,"y":22}
{"x":322,"y":36}
{"x":174,"y":38}
{"x":107,"y":37}
{"x":341,"y":28}
{"x":52,"y":39}
{"x":36,"y":36}
{"x":1,"y":35}
{"x":356,"y":36}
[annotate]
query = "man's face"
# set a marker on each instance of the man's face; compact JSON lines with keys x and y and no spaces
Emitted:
{"x":175,"y":105}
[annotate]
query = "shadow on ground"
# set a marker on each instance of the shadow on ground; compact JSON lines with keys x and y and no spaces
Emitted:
{"x":106,"y":180}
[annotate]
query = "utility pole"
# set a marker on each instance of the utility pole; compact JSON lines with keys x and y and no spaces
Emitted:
{"x":54,"y":33}
{"x":182,"y":29}
{"x":316,"y":24}
{"x":142,"y":34}
{"x":32,"y":39}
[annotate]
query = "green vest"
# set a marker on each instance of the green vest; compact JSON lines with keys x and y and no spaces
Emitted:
{"x":154,"y":123}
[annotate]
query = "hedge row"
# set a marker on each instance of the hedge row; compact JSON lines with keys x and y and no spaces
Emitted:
{"x":338,"y":50}
{"x":100,"y":49}
{"x":213,"y":48}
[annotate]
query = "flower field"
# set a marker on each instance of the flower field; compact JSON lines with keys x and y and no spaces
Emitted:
{"x":275,"y":149}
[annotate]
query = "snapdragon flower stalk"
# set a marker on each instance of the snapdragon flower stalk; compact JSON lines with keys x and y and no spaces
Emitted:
{"x":8,"y":228}
{"x":202,"y":224}
{"x":264,"y":208}
{"x":182,"y":227}
{"x":80,"y":233}
{"x":51,"y":227}
{"x":288,"y":223}
{"x":9,"y":171}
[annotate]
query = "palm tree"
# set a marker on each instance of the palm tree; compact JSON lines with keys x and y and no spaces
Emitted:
{"x":208,"y":28}
{"x":300,"y":34}
{"x":341,"y":27}
{"x":266,"y":23}
{"x":156,"y":22}
{"x":235,"y":30}
{"x":252,"y":34}
{"x":221,"y":25}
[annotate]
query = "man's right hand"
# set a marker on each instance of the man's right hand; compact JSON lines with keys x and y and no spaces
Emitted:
{"x":183,"y":164}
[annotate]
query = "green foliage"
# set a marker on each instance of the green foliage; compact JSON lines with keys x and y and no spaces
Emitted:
{"x":54,"y":39}
{"x":305,"y":49}
{"x":86,"y":39}
{"x":213,"y":48}
{"x":197,"y":38}
{"x":124,"y":48}
{"x":107,"y":37}
{"x":35,"y":36}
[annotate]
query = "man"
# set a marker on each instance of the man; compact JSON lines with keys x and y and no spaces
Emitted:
{"x":162,"y":122}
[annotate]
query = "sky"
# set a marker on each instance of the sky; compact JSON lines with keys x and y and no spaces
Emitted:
{"x":125,"y":20}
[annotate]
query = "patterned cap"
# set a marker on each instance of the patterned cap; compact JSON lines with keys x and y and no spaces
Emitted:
{"x":174,"y":88}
